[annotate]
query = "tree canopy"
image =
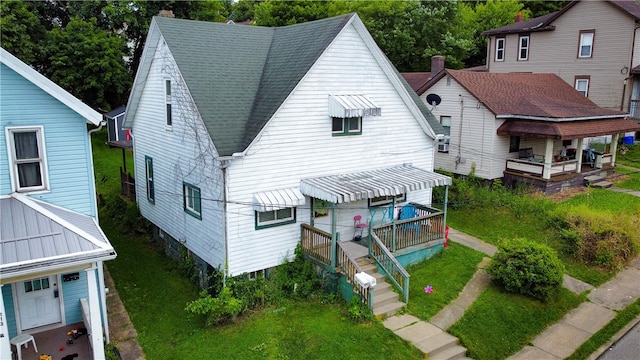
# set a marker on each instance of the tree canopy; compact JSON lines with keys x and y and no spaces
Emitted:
{"x":92,"y":48}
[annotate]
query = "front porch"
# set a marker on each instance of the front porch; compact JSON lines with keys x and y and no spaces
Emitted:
{"x":55,"y":343}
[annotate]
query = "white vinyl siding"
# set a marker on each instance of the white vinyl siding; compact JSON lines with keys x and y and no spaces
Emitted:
{"x":292,"y":147}
{"x":556,"y":51}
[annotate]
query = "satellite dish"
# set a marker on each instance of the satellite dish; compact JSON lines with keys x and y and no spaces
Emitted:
{"x":433,"y":99}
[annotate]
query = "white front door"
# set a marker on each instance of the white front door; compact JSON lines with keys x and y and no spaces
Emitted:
{"x":38,"y":302}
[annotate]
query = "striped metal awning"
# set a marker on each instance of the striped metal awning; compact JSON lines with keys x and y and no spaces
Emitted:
{"x":364,"y":185}
{"x":277,"y":199}
{"x":348,"y":106}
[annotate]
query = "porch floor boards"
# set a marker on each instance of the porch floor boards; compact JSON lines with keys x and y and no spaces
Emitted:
{"x":50,"y":341}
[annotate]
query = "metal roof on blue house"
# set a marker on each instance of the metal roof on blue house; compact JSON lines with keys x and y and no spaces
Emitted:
{"x":238,"y":76}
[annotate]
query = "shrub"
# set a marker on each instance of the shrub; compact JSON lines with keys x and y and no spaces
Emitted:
{"x":216,"y":310}
{"x":252,"y":292}
{"x":294,"y":280}
{"x":527,"y":268}
{"x":358,"y":310}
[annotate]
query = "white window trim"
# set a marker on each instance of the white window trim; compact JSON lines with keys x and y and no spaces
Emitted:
{"x":168,"y":101}
{"x":520,"y":47}
{"x":582,"y":37}
{"x":269,"y":223}
{"x":13,"y":165}
{"x":586,"y":90}
{"x":500,"y":50}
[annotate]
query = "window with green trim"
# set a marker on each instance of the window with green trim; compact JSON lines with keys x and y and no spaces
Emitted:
{"x":266,"y":219}
{"x":346,"y":126}
{"x":192,"y":201}
{"x":148,"y":169}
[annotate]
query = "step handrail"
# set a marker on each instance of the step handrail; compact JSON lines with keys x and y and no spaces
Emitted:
{"x":349,"y":267}
{"x":392,"y":269}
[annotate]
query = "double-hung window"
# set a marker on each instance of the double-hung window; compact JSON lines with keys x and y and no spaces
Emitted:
{"x":500,"y":49}
{"x":523,"y":48}
{"x":148,"y":169}
{"x":346,"y":126}
{"x":27,"y":158}
{"x":192,"y":200}
{"x":266,"y":219}
{"x":167,"y":101}
{"x":585,"y":50}
{"x":582,"y":85}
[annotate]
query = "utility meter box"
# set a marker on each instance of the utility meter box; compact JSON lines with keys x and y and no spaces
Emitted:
{"x":365,"y":280}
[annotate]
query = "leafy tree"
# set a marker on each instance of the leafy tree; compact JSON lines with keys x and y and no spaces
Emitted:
{"x":280,"y":13}
{"x":22,"y":32}
{"x":88,"y":62}
{"x":243,"y":10}
{"x":479,"y":17}
{"x":543,"y":7}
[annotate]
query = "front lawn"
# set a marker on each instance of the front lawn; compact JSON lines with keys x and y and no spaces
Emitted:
{"x":447,"y":273}
{"x":499,"y":324}
{"x":631,"y":157}
{"x":627,"y":178}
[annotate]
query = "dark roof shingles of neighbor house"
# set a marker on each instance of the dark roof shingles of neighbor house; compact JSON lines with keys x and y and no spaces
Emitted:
{"x":239,"y":76}
{"x":544,"y":22}
{"x":416,"y":79}
{"x":526,"y":94}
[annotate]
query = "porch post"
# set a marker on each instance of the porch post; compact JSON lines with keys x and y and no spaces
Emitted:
{"x":614,"y":148}
{"x":446,"y":200}
{"x":393,"y":222}
{"x":95,"y":333}
{"x":579,"y":155}
{"x":103,"y":301}
{"x":548,"y":159}
{"x":334,"y":235}
{"x":5,"y":346}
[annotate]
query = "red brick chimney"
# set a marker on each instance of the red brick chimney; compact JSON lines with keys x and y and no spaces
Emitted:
{"x":437,"y":65}
{"x":518,"y":17}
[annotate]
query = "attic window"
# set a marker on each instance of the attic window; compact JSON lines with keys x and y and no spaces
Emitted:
{"x":346,"y":126}
{"x":585,"y":50}
{"x":523,"y":48}
{"x":167,"y":101}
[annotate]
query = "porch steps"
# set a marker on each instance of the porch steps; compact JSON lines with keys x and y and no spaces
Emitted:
{"x":597,"y":181}
{"x":434,"y":343}
{"x":385,"y":300}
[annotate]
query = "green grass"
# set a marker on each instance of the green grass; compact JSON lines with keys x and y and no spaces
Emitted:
{"x":155,"y":294}
{"x":633,"y":178}
{"x":499,"y":324}
{"x":631,"y":158}
{"x":447,"y":272}
{"x":605,"y":200}
{"x":106,"y":163}
{"x":600,"y":338}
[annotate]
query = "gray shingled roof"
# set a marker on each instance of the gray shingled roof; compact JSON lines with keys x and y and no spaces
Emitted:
{"x":239,"y":76}
{"x":34,"y":234}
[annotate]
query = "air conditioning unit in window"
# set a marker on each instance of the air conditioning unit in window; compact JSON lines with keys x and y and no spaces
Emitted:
{"x":443,"y":147}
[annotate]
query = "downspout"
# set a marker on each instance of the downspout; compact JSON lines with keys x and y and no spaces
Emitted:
{"x":459,"y":158}
{"x":446,"y":201}
{"x":91,"y":170}
{"x":224,"y":164}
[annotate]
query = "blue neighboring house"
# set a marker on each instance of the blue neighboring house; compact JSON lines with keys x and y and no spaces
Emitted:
{"x":51,"y":246}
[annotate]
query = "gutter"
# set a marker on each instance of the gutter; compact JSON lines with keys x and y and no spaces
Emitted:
{"x":53,"y":264}
{"x":558,"y":120}
{"x":92,"y":170}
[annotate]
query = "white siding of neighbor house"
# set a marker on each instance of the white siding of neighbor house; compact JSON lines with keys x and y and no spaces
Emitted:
{"x":297,"y":144}
{"x":476,"y":141}
{"x":175,"y":153}
{"x":556,"y":51}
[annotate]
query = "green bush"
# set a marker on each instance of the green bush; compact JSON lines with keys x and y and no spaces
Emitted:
{"x":527,"y":268}
{"x":216,"y":310}
{"x":252,"y":292}
{"x":294,"y":280}
{"x":358,"y":311}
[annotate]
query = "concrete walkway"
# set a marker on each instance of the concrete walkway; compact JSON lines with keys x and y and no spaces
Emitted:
{"x":121,"y":332}
{"x":557,"y":342}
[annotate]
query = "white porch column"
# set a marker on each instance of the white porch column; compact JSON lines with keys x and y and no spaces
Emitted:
{"x":5,"y":346}
{"x":614,"y":148}
{"x":103,"y":301}
{"x":548,"y":159}
{"x":579,"y":155}
{"x":97,"y":338}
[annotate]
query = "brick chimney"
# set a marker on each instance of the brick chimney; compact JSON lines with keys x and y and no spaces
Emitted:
{"x":518,"y":17}
{"x":437,"y":65}
{"x":166,"y":13}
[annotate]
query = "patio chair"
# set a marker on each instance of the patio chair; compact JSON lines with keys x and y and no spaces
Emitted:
{"x":409,"y":212}
{"x":358,"y":226}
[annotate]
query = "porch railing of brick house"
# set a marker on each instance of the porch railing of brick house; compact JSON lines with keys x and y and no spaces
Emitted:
{"x":316,"y":243}
{"x":390,"y":266}
{"x":426,"y":226}
{"x":349,"y":267}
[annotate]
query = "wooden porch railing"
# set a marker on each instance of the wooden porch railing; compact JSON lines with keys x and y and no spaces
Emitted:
{"x":537,"y":168}
{"x":390,"y":266}
{"x":427,"y":226}
{"x":316,"y":244}
{"x":350,"y":268}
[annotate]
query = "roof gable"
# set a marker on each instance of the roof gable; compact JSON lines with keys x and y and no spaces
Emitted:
{"x":529,"y":95}
{"x":51,"y":88}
